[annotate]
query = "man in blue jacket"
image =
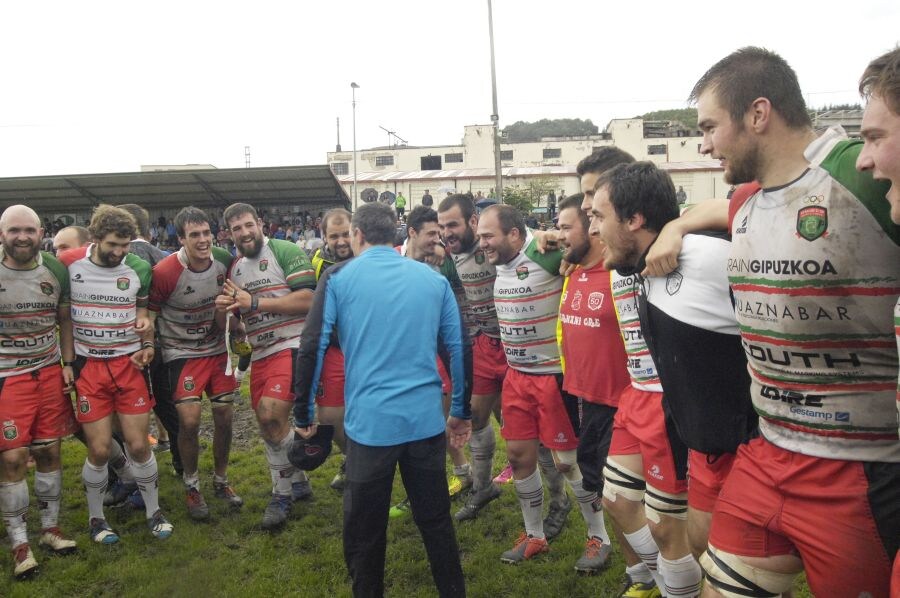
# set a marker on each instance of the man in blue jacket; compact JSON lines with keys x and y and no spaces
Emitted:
{"x":390,"y":314}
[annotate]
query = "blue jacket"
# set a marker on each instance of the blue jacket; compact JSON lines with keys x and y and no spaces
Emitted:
{"x":391,"y":313}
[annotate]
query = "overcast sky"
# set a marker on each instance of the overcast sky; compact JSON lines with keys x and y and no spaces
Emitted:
{"x":108,"y":86}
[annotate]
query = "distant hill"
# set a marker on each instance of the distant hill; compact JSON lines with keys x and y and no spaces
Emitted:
{"x":686,"y":116}
{"x":559,"y":127}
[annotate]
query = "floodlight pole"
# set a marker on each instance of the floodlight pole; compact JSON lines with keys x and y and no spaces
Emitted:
{"x":353,"y":88}
{"x":495,"y":117}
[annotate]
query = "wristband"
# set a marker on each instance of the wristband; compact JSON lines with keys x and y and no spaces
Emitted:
{"x":254,"y":303}
{"x":68,"y":364}
{"x":146,"y":345}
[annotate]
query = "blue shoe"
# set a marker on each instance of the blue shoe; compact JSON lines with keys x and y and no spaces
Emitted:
{"x":277,"y":512}
{"x":102,"y":533}
{"x":136,"y":501}
{"x":118,"y":492}
{"x":160,"y":526}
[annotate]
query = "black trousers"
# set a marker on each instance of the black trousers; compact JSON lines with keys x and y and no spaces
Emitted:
{"x":164,"y":408}
{"x":594,"y":439}
{"x":367,"y":499}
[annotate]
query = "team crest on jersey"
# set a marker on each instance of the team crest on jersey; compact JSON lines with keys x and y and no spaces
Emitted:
{"x":46,"y":288}
{"x":84,"y":406}
{"x":188,"y":383}
{"x":123,"y":283}
{"x":673,"y":282}
{"x":263,"y":265}
{"x":10,"y":431}
{"x":812,"y":222}
{"x":479,"y":258}
{"x":220,"y":279}
{"x":595,"y":301}
{"x":522,"y":272}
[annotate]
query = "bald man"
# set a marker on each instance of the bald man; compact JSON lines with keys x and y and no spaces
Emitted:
{"x":34,"y":411}
{"x":70,"y":237}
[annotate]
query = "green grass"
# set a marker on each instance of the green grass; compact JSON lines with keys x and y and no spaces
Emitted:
{"x":231,"y":556}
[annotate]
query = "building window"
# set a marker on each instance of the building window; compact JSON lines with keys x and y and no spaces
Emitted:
{"x":384,"y":160}
{"x":699,"y":145}
{"x":656,"y":150}
{"x":506,"y":154}
{"x":340,"y":168}
{"x":453,"y":158}
{"x":550,"y":153}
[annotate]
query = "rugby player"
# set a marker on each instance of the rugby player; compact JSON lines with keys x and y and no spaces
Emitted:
{"x":271,"y":285}
{"x":114,"y":343}
{"x":70,"y":237}
{"x":34,"y":411}
{"x":192,"y":338}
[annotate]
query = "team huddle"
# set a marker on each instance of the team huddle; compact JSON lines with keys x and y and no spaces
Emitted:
{"x":719,"y":386}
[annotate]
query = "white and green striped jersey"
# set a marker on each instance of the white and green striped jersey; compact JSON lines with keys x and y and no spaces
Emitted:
{"x":526,"y":297}
{"x":29,"y":303}
{"x":641,"y":367}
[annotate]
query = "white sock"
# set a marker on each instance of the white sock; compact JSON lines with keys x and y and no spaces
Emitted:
{"x":48,"y":491}
{"x":639,"y":573}
{"x":95,"y":478}
{"x":482,"y":445}
{"x":531,"y":498}
{"x":14,"y":508}
{"x":591,"y":510}
{"x":645,"y":546}
{"x":147,"y":477}
{"x":280,"y":468}
{"x":462,"y":470}
{"x":191,"y":480}
{"x":299,"y":476}
{"x":682,"y":576}
{"x":555,"y":481}
{"x":118,"y":460}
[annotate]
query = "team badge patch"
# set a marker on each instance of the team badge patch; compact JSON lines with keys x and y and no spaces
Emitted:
{"x":10,"y":431}
{"x":673,"y":282}
{"x":46,"y":288}
{"x":812,"y":222}
{"x":263,"y":265}
{"x":123,"y":283}
{"x":84,"y":405}
{"x":479,"y":258}
{"x":188,"y":383}
{"x":522,"y":272}
{"x":220,"y":279}
{"x":595,"y":301}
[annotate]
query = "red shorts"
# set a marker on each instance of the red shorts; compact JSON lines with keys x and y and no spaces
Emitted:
{"x":190,"y":378}
{"x":331,"y":382}
{"x":488,"y":365}
{"x":706,"y":476}
{"x":535,"y":407}
{"x":835,"y":514}
{"x":107,"y":386}
{"x":273,"y":376}
{"x":446,"y":383}
{"x":639,"y":428}
{"x":33,"y":407}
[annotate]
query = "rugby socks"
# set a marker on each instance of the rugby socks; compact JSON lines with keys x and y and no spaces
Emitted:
{"x":48,"y":490}
{"x":147,"y":477}
{"x":14,"y":508}
{"x":531,"y":498}
{"x":95,"y":479}
{"x":591,"y":510}
{"x":639,"y":573}
{"x":462,"y":471}
{"x":645,"y":546}
{"x":555,"y":481}
{"x":119,"y":463}
{"x":482,"y":446}
{"x":299,"y":476}
{"x":682,"y":576}
{"x":191,"y":480}
{"x":280,"y":468}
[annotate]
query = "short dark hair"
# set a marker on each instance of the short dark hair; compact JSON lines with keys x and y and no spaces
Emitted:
{"x":141,"y":218}
{"x":83,"y":234}
{"x":377,"y":223}
{"x":574,"y":201}
{"x":109,"y":219}
{"x":189,"y":215}
{"x":751,"y":73}
{"x":509,"y":218}
{"x":238,"y":209}
{"x":465,"y":201}
{"x":420,"y":216}
{"x":333,"y":213}
{"x":641,"y":188}
{"x":602,"y":159}
{"x":882,"y":78}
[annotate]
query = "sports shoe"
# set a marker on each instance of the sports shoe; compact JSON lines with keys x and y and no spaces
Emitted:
{"x":162,"y":446}
{"x":594,"y":557}
{"x":196,"y":505}
{"x":476,"y":502}
{"x":639,"y":589}
{"x":25,"y":563}
{"x":277,"y":512}
{"x":301,"y":490}
{"x":400,"y":509}
{"x":505,"y":476}
{"x":53,"y":539}
{"x":556,"y":518}
{"x":118,"y":492}
{"x":160,"y":526}
{"x":135,"y":500}
{"x":224,"y":491}
{"x":458,"y":484}
{"x":526,"y":547}
{"x":101,"y":533}
{"x":340,"y":478}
